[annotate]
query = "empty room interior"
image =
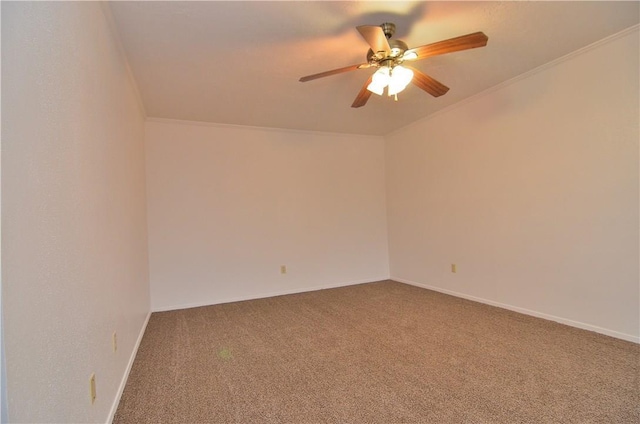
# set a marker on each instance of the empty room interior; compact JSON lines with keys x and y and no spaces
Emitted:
{"x":309,"y":212}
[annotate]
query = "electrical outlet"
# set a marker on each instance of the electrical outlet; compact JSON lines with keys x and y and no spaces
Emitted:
{"x":114,"y":340}
{"x":92,"y":387}
{"x":454,"y":268}
{"x":283,"y":269}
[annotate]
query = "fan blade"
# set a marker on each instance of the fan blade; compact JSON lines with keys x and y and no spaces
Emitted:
{"x":374,"y":36}
{"x":363,"y":95}
{"x":334,"y":71}
{"x":428,"y":84}
{"x":464,"y":42}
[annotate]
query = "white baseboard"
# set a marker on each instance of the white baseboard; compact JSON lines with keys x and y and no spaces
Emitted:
{"x":264,"y":295}
{"x":123,"y":383}
{"x":577,"y":324}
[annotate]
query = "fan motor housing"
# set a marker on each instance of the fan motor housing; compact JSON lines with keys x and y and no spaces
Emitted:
{"x":398,"y":47}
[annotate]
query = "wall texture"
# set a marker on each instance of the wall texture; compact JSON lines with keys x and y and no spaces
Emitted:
{"x":532,"y":190}
{"x":73,"y":211}
{"x":229,"y":205}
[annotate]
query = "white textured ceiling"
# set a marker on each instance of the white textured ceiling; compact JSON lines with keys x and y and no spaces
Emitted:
{"x":239,"y":62}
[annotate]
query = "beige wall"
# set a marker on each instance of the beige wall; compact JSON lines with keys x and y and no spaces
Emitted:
{"x":73,"y":212}
{"x":532,"y":190}
{"x":229,"y":205}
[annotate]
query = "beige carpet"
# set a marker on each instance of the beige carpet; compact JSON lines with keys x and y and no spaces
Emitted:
{"x":382,"y":352}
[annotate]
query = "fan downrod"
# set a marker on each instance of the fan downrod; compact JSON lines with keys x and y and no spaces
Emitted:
{"x":389,"y":29}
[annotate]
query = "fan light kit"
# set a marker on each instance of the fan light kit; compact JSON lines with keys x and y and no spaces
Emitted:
{"x":388,"y":56}
{"x":396,"y":79}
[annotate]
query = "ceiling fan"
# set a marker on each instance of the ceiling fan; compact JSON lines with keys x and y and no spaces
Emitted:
{"x":388,"y":56}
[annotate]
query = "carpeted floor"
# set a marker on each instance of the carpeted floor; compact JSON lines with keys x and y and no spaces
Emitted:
{"x":382,"y":352}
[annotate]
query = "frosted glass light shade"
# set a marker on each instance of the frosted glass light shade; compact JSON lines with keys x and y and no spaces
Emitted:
{"x":410,"y":56}
{"x":376,"y":88}
{"x":379,"y":81}
{"x":400,"y":78}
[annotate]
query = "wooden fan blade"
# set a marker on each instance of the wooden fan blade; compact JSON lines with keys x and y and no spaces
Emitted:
{"x":464,"y":42}
{"x":428,"y":84}
{"x":363,"y":95}
{"x":334,"y":71}
{"x":374,"y":36}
